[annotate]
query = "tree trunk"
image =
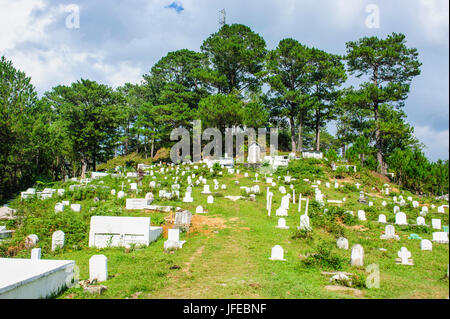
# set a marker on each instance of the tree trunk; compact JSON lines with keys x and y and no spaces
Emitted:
{"x":94,"y":160}
{"x":291,"y":121}
{"x":83,"y":167}
{"x":381,"y":168}
{"x":317,"y":131}
{"x":300,"y":136}
{"x":153,"y":147}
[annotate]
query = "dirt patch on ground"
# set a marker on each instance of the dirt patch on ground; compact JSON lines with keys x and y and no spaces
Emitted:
{"x":204,"y":224}
{"x":356,"y":227}
{"x":346,"y":290}
{"x":199,"y":223}
{"x":198,"y":253}
{"x":382,"y":177}
{"x":343,"y":180}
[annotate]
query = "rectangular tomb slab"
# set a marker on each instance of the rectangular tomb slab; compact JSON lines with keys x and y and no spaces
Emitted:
{"x":113,"y":231}
{"x":33,"y":278}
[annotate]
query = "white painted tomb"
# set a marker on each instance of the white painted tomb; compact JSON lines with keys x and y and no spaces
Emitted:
{"x":33,"y":278}
{"x":116,"y":231}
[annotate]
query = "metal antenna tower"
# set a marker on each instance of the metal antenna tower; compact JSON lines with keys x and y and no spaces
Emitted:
{"x":223,"y":15}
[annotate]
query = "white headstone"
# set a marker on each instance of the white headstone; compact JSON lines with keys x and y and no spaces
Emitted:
{"x":277,"y":253}
{"x":210,"y":199}
{"x":389,"y":233}
{"x":357,"y":256}
{"x":36,"y":253}
{"x":98,"y":268}
{"x":404,"y":254}
{"x":57,"y":240}
{"x":420,"y":221}
{"x":436,"y":223}
{"x":282,"y":223}
{"x":304,"y":223}
{"x":342,"y":243}
{"x":361,"y":215}
{"x":382,"y":218}
{"x":440,"y":237}
{"x":425,"y":244}
{"x":400,"y":219}
{"x":76,"y":207}
{"x":59,"y":207}
{"x":199,"y":210}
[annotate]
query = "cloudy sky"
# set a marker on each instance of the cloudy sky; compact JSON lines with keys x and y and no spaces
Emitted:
{"x":118,"y":41}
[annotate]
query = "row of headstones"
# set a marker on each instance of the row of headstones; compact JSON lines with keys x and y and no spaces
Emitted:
{"x":58,"y":240}
{"x":401,"y":219}
{"x":357,"y":254}
{"x":59,"y":207}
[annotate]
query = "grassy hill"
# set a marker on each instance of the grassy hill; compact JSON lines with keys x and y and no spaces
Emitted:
{"x":228,"y":248}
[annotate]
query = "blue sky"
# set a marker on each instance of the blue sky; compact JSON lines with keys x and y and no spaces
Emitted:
{"x":118,"y":42}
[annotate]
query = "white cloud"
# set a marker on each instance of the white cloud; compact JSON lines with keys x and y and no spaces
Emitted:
{"x":437,"y":142}
{"x":433,"y":15}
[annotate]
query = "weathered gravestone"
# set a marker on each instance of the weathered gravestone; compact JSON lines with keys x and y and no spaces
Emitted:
{"x":58,"y":240}
{"x":357,"y":256}
{"x":361,"y":215}
{"x":389,"y":233}
{"x":282,"y":224}
{"x":342,"y":243}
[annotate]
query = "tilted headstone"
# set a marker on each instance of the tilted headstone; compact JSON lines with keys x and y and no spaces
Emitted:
{"x":59,"y":207}
{"x":57,"y":240}
{"x":76,"y":208}
{"x":342,"y":243}
{"x":31,"y":241}
{"x":304,"y":223}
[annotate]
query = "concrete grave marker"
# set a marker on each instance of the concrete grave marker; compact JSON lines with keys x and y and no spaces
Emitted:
{"x":98,"y":268}
{"x":277,"y":253}
{"x":58,"y":240}
{"x":342,"y":243}
{"x":357,"y":256}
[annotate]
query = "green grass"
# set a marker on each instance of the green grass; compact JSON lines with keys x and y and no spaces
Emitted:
{"x":233,"y":262}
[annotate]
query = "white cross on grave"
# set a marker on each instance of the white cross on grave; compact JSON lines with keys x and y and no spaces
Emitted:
{"x":404,"y":257}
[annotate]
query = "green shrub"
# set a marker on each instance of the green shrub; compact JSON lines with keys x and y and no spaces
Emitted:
{"x":324,"y":258}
